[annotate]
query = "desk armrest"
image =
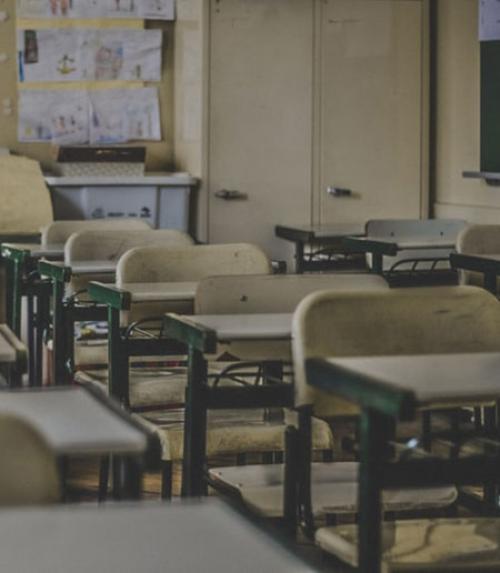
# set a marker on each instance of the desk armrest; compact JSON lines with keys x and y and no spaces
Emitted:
{"x":110,"y":295}
{"x":366,"y":245}
{"x":56,"y":271}
{"x":188,"y":332}
{"x":361,"y":390}
{"x":14,"y":253}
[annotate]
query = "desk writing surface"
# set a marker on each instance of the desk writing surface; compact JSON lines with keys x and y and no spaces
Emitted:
{"x":408,"y":243}
{"x":247,"y":326}
{"x":73,"y":421}
{"x":37,"y":250}
{"x":138,"y":538}
{"x":433,"y":378}
{"x":339,"y":230}
{"x":93,"y":267}
{"x":160,"y":292}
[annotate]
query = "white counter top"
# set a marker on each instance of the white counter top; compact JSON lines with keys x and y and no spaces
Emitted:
{"x":166,"y":179}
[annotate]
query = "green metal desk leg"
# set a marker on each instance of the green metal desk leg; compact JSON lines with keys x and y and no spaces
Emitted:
{"x":42,"y":324}
{"x":195,"y":426}
{"x":58,"y":333}
{"x":374,"y":436}
{"x":377,"y":263}
{"x":117,"y":359}
{"x":299,"y":257}
{"x":9,"y":292}
{"x":14,"y":296}
{"x":490,"y":282}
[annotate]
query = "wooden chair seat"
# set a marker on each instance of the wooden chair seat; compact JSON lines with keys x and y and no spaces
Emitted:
{"x":231,"y":432}
{"x":334,"y":490}
{"x":427,"y":545}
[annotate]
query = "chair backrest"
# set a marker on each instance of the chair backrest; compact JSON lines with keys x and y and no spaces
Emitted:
{"x":273,"y":293}
{"x":177,"y":264}
{"x":395,"y":322}
{"x":478,"y":240}
{"x":414,"y":228}
{"x":106,"y":245}
{"x":28,"y":469}
{"x":58,"y":232}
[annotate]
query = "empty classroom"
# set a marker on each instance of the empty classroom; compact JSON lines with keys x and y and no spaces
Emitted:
{"x":249,"y":283}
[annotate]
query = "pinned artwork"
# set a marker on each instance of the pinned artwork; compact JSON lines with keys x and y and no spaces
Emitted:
{"x":78,"y":116}
{"x":56,"y":55}
{"x":117,"y":116}
{"x":53,"y":116}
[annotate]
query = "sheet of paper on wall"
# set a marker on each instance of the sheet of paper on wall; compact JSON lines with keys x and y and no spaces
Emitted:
{"x":117,"y":116}
{"x":489,"y":20}
{"x":96,"y":9}
{"x":89,"y":55}
{"x":60,"y":117}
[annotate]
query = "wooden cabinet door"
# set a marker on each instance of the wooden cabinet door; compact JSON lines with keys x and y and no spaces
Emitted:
{"x":260,"y":119}
{"x":371,"y":119}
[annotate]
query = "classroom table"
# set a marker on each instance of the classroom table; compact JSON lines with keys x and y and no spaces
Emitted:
{"x":327,"y":240}
{"x":392,"y":246}
{"x":488,"y":265}
{"x":79,"y":420}
{"x":22,"y":280}
{"x":202,"y":334}
{"x":121,"y":346}
{"x":131,"y":537}
{"x":66,"y":312}
{"x":393,"y":388}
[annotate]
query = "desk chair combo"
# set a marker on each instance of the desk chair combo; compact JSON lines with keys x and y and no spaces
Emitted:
{"x":269,"y":490}
{"x":321,"y":247}
{"x":247,"y":318}
{"x":150,"y":282}
{"x":90,"y":256}
{"x":410,"y":252}
{"x":478,"y":256}
{"x":23,"y":280}
{"x":392,"y":354}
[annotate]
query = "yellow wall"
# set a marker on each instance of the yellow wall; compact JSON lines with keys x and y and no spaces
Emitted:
{"x":160,"y":154}
{"x":458,"y":126}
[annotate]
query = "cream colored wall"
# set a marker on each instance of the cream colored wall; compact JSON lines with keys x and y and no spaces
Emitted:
{"x":160,"y":154}
{"x":458,"y":127}
{"x":191,"y":56}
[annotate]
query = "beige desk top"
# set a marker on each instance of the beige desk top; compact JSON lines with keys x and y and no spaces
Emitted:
{"x":186,"y":537}
{"x":247,"y":326}
{"x":161,"y":292}
{"x":433,"y":378}
{"x":73,"y":421}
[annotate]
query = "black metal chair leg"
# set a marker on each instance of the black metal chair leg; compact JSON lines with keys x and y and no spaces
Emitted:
{"x":166,"y":480}
{"x":103,"y":479}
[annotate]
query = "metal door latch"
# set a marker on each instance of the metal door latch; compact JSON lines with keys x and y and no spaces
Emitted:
{"x":338,"y":191}
{"x":231,"y":195}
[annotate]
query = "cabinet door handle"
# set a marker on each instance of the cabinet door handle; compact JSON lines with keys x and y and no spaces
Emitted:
{"x":338,"y":191}
{"x":231,"y":195}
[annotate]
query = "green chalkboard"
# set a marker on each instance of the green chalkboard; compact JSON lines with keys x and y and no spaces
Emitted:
{"x":490,"y":106}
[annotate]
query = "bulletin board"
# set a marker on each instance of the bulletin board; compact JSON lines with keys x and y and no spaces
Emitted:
{"x":159,"y":154}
